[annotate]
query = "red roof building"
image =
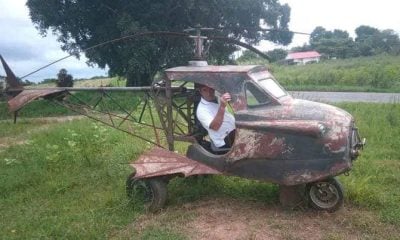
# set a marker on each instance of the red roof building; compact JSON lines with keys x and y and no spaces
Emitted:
{"x":303,"y":57}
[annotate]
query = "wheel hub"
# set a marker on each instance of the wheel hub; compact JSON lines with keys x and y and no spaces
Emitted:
{"x":324,"y":195}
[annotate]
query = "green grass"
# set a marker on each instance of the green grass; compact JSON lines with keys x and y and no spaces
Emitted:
{"x":45,"y":108}
{"x":68,"y":181}
{"x":372,"y":74}
{"x":114,"y":82}
{"x":374,"y":182}
{"x":39,"y":108}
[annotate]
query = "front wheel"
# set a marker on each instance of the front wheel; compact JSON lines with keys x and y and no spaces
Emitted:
{"x":326,"y":195}
{"x":150,"y":193}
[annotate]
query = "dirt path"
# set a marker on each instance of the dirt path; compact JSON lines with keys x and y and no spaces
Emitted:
{"x":223,"y":219}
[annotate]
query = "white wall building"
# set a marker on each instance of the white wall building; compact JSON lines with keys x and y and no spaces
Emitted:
{"x":303,"y":57}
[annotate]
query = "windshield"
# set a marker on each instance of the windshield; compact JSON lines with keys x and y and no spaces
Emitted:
{"x":272,"y":87}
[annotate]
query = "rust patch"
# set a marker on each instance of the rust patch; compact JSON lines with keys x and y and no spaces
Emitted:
{"x":303,"y":176}
{"x":161,"y":162}
{"x":28,"y":96}
{"x":251,"y":144}
{"x":269,"y":146}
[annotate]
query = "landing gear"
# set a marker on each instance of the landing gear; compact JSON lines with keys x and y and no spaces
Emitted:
{"x":325,"y":195}
{"x":149,"y":193}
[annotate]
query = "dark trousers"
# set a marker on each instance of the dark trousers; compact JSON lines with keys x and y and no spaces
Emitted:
{"x":229,"y":139}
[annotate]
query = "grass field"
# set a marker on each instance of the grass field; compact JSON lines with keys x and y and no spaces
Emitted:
{"x":66,"y":181}
{"x":364,"y":74}
{"x":100,"y":82}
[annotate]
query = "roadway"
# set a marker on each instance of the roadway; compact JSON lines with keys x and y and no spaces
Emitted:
{"x":335,"y":97}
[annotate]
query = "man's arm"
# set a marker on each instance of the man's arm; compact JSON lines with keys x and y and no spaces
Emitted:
{"x":219,"y":118}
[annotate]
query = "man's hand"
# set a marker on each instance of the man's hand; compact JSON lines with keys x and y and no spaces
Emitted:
{"x":219,"y":118}
{"x":224,"y":99}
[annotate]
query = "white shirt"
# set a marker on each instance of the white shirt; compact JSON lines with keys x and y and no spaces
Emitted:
{"x":206,"y":112}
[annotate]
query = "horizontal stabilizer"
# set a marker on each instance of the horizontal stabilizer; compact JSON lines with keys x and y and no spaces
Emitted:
{"x":28,"y":96}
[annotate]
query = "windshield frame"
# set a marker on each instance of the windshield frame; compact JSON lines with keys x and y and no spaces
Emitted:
{"x":275,"y":91}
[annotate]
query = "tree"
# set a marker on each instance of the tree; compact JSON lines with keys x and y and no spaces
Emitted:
{"x":372,"y":41}
{"x":390,"y":42}
{"x":80,"y":24}
{"x":336,"y":43}
{"x":247,"y":56}
{"x":277,"y":54}
{"x":366,"y":36}
{"x":64,"y":79}
{"x":304,"y":48}
{"x":27,"y":83}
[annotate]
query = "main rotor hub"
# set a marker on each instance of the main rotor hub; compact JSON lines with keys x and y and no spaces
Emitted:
{"x":199,"y":54}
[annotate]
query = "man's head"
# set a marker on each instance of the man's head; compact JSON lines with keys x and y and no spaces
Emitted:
{"x":206,"y":92}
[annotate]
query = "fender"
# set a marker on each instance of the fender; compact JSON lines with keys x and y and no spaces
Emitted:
{"x":161,"y":162}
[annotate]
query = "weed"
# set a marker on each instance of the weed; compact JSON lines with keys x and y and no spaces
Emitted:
{"x":67,"y":181}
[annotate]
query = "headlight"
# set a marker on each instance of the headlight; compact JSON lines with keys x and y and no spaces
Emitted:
{"x":322,"y":128}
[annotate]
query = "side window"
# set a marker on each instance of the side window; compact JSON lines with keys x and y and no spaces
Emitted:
{"x":255,"y":96}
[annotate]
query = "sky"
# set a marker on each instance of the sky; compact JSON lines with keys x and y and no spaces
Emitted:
{"x":346,"y":15}
{"x":26,"y":50}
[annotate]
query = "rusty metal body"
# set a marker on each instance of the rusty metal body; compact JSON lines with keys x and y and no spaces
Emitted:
{"x":282,"y":140}
{"x":278,"y":139}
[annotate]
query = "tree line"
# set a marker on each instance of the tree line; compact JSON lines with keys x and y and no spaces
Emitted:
{"x":369,"y":41}
{"x":338,"y":44}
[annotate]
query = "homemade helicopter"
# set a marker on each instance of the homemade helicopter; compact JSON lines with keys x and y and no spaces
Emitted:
{"x":299,"y":145}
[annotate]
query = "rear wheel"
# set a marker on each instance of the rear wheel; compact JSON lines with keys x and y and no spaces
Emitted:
{"x":151,"y":193}
{"x":326,"y":195}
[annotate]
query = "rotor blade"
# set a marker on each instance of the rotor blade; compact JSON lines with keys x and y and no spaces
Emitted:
{"x":259,"y":29}
{"x":242,"y":44}
{"x":281,"y":30}
{"x":165,"y":33}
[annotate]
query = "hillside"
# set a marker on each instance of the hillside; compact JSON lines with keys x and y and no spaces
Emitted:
{"x":375,"y":74}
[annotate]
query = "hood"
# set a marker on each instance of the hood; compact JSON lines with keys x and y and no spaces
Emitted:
{"x":296,"y":109}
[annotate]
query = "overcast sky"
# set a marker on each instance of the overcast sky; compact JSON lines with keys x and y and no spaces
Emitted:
{"x":25,"y":50}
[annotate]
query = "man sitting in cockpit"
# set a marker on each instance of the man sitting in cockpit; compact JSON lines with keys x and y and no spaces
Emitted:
{"x":213,"y":116}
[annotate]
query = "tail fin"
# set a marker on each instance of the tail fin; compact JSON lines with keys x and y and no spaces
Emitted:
{"x":11,"y":80}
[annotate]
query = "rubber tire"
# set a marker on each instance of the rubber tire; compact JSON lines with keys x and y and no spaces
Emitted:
{"x":334,"y":185}
{"x":156,"y":187}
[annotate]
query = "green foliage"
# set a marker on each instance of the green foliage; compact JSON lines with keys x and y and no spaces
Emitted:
{"x":66,"y":183}
{"x":375,"y":178}
{"x":45,"y":108}
{"x":277,"y":54}
{"x":249,"y":57}
{"x":68,"y":180}
{"x":378,"y":73}
{"x":39,"y":108}
{"x":82,"y":24}
{"x":369,"y":41}
{"x":27,"y":83}
{"x":336,"y":44}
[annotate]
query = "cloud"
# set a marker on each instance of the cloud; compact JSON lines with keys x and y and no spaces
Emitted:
{"x":345,"y":15}
{"x":25,"y":50}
